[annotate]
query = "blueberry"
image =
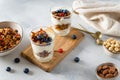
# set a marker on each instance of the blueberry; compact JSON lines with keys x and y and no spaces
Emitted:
{"x":42,"y":40}
{"x":8,"y":69}
{"x":39,"y":37}
{"x":26,"y":70}
{"x":59,"y":11}
{"x":66,"y":11}
{"x":62,"y":10}
{"x":74,"y":36}
{"x":49,"y":39}
{"x":76,"y":59}
{"x":16,"y":60}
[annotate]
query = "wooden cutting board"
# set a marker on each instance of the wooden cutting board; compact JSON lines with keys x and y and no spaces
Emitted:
{"x":66,"y":43}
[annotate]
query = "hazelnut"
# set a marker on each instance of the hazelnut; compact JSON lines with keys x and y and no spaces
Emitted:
{"x":110,"y":48}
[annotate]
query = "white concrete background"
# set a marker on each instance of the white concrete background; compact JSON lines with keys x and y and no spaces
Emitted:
{"x":33,"y":13}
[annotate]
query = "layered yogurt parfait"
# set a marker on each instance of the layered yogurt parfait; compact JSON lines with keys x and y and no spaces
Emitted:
{"x":42,"y":41}
{"x":61,"y":20}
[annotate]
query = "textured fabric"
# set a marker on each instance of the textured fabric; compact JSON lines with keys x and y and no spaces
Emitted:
{"x":103,"y":16}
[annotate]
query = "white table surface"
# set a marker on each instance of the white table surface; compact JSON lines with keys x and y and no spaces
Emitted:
{"x":34,"y":13}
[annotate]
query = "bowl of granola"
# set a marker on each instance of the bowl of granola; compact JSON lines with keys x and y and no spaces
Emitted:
{"x":10,"y":37}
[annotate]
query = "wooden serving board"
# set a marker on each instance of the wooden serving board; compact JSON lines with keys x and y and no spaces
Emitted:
{"x":66,"y":43}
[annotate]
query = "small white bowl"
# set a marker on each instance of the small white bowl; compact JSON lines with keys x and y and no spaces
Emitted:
{"x":13,"y":25}
{"x":100,"y":78}
{"x":110,"y":53}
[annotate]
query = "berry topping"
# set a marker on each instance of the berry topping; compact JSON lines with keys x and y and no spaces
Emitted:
{"x":60,"y":50}
{"x":74,"y":36}
{"x":40,"y":37}
{"x":8,"y":69}
{"x":61,"y":12}
{"x":49,"y":39}
{"x":76,"y":59}
{"x":16,"y":60}
{"x":26,"y":70}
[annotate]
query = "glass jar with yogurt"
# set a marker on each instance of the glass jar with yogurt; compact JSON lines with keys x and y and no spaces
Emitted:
{"x":42,"y":42}
{"x":61,"y":20}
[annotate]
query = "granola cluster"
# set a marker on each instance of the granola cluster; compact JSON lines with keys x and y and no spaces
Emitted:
{"x":9,"y":38}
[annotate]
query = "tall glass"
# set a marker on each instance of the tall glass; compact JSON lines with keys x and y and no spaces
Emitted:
{"x":43,"y":52}
{"x":61,"y":24}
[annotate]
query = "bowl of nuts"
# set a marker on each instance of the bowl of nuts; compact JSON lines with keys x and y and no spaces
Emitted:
{"x":112,"y":47}
{"x":10,"y":37}
{"x":107,"y":71}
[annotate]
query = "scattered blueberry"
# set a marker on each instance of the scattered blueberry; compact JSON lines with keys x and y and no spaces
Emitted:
{"x":77,"y":59}
{"x":26,"y":70}
{"x":8,"y":69}
{"x":74,"y":36}
{"x":16,"y":60}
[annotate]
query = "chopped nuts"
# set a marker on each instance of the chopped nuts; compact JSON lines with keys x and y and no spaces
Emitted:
{"x":112,"y":45}
{"x":9,"y":38}
{"x":107,"y":70}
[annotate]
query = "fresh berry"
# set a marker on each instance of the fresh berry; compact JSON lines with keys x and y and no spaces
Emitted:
{"x":49,"y":39}
{"x":66,"y":11}
{"x":62,"y":14}
{"x":60,"y":50}
{"x":74,"y":36}
{"x":39,"y":37}
{"x":8,"y":69}
{"x":77,"y":59}
{"x":1,"y":39}
{"x":16,"y":60}
{"x":26,"y":70}
{"x":60,"y":10}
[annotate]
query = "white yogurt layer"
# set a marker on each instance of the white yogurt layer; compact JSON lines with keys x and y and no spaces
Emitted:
{"x":62,"y":21}
{"x":61,"y":32}
{"x":40,"y":48}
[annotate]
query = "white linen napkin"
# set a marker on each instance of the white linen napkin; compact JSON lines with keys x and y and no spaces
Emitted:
{"x":101,"y":15}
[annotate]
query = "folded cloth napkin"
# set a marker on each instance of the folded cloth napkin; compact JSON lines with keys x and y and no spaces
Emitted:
{"x":101,"y":15}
